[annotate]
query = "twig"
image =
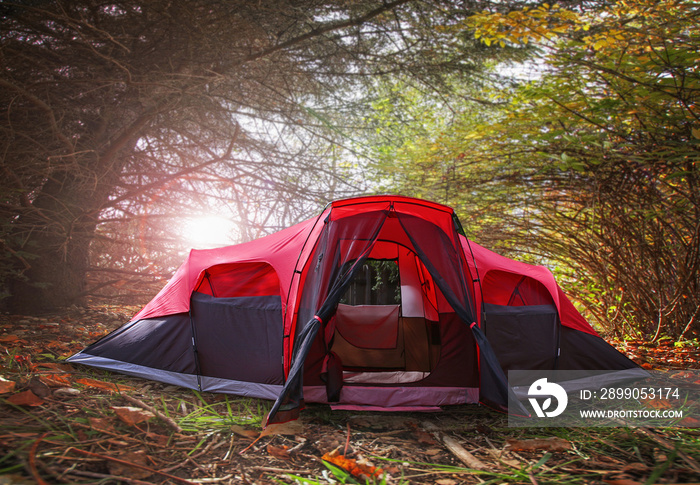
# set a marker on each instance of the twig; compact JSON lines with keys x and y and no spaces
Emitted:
{"x":32,"y":461}
{"x":347,"y":442}
{"x":458,"y":450}
{"x":131,"y":481}
{"x":127,"y":463}
{"x":281,"y":470}
{"x":212,"y":480}
{"x":169,"y":421}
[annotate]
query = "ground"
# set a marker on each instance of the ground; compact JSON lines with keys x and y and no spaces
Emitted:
{"x":61,"y":423}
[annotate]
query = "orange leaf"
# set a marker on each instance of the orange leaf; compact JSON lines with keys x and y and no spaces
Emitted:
{"x":66,"y":368}
{"x":105,"y":386}
{"x":360,"y":470}
{"x":131,"y":415}
{"x":8,"y":338}
{"x":56,"y":380}
{"x":546,"y":444}
{"x":279,"y":452}
{"x":657,"y":404}
{"x":25,"y":398}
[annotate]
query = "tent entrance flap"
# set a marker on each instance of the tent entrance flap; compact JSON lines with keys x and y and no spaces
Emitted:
{"x":326,"y":280}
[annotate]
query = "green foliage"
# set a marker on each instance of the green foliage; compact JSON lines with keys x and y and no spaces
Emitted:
{"x":591,"y":166}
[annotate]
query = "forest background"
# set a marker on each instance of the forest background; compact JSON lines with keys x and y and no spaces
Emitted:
{"x":563,"y":134}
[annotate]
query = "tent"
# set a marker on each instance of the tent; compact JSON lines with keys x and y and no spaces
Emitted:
{"x":379,"y":301}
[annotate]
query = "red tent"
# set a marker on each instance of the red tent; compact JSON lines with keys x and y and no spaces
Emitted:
{"x":379,"y":301}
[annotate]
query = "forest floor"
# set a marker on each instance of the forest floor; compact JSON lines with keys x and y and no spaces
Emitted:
{"x":62,"y":424}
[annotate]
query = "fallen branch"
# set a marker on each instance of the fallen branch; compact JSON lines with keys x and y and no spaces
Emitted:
{"x":169,"y":421}
{"x":458,"y":450}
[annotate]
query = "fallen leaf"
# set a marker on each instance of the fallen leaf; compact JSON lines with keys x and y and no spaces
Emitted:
{"x":131,"y":415}
{"x":158,"y":438}
{"x":25,"y":398}
{"x":635,"y":468}
{"x":64,"y":368}
{"x":689,"y":422}
{"x":246,"y":433}
{"x":290,"y":428}
{"x":38,"y":387}
{"x":101,"y":424}
{"x":658,"y":403}
{"x":546,"y":444}
{"x":6,"y":386}
{"x":424,"y":437}
{"x":446,"y":481}
{"x":279,"y":452}
{"x":105,"y":386}
{"x":8,"y":338}
{"x":355,"y":468}
{"x":124,"y":470}
{"x":56,"y":380}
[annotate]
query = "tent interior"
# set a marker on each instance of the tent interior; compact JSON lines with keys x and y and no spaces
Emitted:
{"x":394,"y":326}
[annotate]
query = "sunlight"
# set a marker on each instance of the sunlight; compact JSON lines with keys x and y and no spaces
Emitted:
{"x":209,"y":231}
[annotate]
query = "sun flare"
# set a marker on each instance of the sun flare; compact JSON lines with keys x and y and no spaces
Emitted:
{"x":209,"y":231}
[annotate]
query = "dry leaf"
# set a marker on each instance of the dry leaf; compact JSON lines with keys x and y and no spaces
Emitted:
{"x":124,"y":470}
{"x":101,"y":424}
{"x":39,"y":388}
{"x":64,"y":368}
{"x":446,"y":481}
{"x":546,"y":444}
{"x":355,"y":468}
{"x":290,"y":428}
{"x":424,"y":437}
{"x":131,"y":415}
{"x":158,"y":438}
{"x":8,"y":338}
{"x":6,"y":386}
{"x":657,"y":403}
{"x":690,"y":422}
{"x":246,"y":433}
{"x":25,"y":398}
{"x":56,"y":380}
{"x":279,"y":452}
{"x":105,"y":386}
{"x":635,"y":468}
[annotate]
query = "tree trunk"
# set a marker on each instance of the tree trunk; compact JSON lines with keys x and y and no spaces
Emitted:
{"x":57,"y":231}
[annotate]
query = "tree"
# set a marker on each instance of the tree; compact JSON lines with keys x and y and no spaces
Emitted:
{"x":109,"y":104}
{"x":593,"y":163}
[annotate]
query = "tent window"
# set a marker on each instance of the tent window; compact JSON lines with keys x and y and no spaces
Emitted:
{"x":511,"y":289}
{"x":377,"y":283}
{"x":239,"y":279}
